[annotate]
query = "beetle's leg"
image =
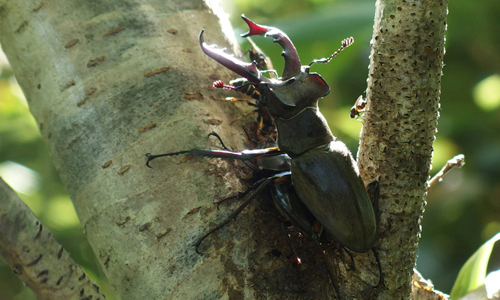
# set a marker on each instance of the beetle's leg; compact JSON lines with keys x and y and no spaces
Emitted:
{"x":240,"y":194}
{"x":250,"y":138}
{"x":242,"y":116}
{"x":213,"y":133}
{"x":262,"y":184}
{"x":325,"y":261}
{"x":249,"y":189}
{"x":151,"y":157}
{"x":296,"y":258}
{"x":381,"y":274}
{"x":243,"y":155}
{"x":350,"y":256}
{"x":234,"y":99}
{"x":373,"y":190}
{"x":252,"y":166}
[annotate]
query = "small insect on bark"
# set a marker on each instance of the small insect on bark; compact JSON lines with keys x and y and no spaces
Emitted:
{"x":358,"y":107}
{"x":313,"y":177}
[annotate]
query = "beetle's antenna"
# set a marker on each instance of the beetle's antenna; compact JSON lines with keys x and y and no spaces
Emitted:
{"x":325,"y":261}
{"x":296,"y":258}
{"x":220,"y":85}
{"x":345,"y":43}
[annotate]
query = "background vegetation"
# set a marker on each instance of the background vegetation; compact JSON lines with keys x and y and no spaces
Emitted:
{"x":462,"y":212}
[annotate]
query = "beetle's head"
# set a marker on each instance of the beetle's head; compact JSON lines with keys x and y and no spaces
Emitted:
{"x":286,"y":96}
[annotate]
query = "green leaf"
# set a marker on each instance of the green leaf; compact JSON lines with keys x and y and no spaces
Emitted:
{"x":473,"y":272}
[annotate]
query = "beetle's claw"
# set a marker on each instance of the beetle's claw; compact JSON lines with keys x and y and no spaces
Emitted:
{"x":198,"y":244}
{"x":197,"y":248}
{"x":149,"y":157}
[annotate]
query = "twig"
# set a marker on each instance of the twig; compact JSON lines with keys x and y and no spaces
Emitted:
{"x":457,"y":161}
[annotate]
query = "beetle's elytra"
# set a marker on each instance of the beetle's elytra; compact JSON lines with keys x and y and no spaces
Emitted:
{"x":313,"y":178}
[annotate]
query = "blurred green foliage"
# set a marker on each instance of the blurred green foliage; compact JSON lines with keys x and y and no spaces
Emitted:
{"x":462,"y":212}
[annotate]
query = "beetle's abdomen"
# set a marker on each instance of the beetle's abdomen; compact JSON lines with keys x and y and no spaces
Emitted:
{"x":328,"y":182}
{"x":305,"y":131}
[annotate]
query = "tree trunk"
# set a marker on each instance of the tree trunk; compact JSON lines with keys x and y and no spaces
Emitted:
{"x":403,"y":92}
{"x":110,"y":82}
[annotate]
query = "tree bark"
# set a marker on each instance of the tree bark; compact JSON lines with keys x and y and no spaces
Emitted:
{"x":36,"y":257}
{"x":110,"y":82}
{"x":403,"y":92}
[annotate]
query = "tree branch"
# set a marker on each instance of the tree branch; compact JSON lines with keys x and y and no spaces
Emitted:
{"x":403,"y":91}
{"x":457,"y":161}
{"x":36,"y":257}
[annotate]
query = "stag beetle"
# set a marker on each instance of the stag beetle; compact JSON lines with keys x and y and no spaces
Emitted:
{"x":315,"y":180}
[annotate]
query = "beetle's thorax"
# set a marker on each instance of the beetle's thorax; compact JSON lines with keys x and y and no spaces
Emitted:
{"x":304,"y":131}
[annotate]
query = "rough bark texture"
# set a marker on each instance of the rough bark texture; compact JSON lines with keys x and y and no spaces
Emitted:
{"x":396,"y":142}
{"x":36,"y":257}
